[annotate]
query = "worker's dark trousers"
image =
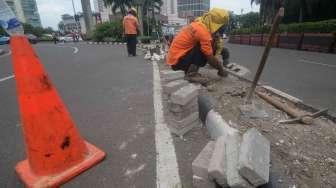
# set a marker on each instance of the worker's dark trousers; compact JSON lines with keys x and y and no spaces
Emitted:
{"x":194,"y":56}
{"x":131,"y":44}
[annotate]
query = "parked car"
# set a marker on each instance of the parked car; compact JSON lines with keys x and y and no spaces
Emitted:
{"x":68,"y":38}
{"x":4,"y":40}
{"x":32,"y":38}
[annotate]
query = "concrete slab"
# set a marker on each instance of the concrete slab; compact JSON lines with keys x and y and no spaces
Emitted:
{"x":217,"y":126}
{"x":217,"y":168}
{"x":254,"y":158}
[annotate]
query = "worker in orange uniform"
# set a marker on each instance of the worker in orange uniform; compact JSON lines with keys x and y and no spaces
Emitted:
{"x":194,"y":45}
{"x":131,"y":30}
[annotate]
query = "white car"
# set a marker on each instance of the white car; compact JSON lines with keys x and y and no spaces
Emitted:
{"x":67,"y":38}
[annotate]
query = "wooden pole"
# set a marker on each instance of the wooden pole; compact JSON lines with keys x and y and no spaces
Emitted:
{"x":274,"y":28}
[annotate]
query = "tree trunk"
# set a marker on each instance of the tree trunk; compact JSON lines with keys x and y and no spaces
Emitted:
{"x":140,"y":16}
{"x":87,"y":17}
{"x":303,"y":8}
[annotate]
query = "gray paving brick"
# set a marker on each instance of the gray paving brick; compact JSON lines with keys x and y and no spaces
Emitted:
{"x":201,"y":163}
{"x":199,"y":182}
{"x":185,"y":125}
{"x":176,"y":108}
{"x":217,"y":168}
{"x":232,"y":146}
{"x":173,"y":86}
{"x":184,"y":95}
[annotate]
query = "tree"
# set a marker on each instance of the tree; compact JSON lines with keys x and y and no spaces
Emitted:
{"x":149,"y":7}
{"x":87,"y":13}
{"x":121,"y":5}
{"x":268,"y":9}
{"x":248,"y":20}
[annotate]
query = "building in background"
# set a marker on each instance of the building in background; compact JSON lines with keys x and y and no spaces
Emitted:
{"x":170,"y":10}
{"x":16,"y":6}
{"x":191,"y":9}
{"x":69,"y":24}
{"x":31,"y":13}
{"x":104,"y":11}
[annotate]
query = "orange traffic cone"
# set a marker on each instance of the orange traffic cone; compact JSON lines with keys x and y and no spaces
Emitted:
{"x":55,"y":150}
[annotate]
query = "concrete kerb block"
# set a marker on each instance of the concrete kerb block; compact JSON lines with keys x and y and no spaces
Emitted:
{"x":282,"y":94}
{"x":201,"y":162}
{"x":170,"y":75}
{"x":184,"y":95}
{"x":217,"y":165}
{"x":199,"y":182}
{"x":254,"y":158}
{"x":217,"y":126}
{"x":232,"y":147}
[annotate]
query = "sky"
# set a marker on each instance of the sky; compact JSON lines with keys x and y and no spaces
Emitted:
{"x":51,"y":10}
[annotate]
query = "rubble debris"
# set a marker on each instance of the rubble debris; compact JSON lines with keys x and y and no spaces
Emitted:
{"x":170,"y":75}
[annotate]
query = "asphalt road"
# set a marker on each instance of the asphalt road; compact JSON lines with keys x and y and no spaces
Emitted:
{"x":110,"y":97}
{"x":309,"y":76}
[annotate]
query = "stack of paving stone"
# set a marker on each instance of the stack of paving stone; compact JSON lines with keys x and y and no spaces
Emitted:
{"x":233,"y":161}
{"x":182,"y":102}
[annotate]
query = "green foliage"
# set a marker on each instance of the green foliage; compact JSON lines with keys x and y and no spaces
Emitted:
{"x":37,"y":31}
{"x":111,"y":31}
{"x":46,"y":38}
{"x":327,"y":26}
{"x":248,"y":20}
{"x":2,"y":31}
{"x":121,"y":5}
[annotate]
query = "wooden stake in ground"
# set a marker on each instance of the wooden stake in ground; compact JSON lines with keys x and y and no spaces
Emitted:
{"x":274,"y":28}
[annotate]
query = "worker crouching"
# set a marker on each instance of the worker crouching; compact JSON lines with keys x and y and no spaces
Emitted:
{"x":198,"y":44}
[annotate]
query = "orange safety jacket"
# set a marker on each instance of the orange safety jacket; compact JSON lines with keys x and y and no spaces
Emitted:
{"x":131,"y":24}
{"x":186,"y":39}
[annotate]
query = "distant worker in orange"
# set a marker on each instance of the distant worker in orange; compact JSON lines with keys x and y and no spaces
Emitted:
{"x":131,"y":30}
{"x":195,"y":46}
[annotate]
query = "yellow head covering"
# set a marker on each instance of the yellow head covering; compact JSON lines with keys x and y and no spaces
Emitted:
{"x":214,"y":19}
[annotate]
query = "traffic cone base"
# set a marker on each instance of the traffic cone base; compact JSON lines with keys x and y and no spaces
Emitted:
{"x":32,"y":180}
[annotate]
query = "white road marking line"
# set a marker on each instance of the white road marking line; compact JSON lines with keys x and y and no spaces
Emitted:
{"x":75,"y":48}
{"x":6,"y":54}
{"x":316,"y":63}
{"x":6,"y":78}
{"x":167,"y":175}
